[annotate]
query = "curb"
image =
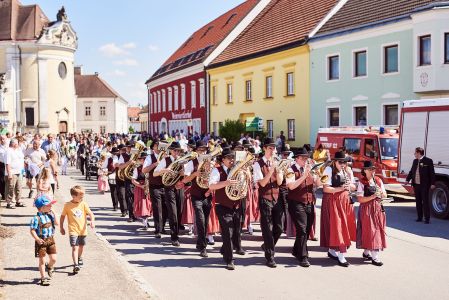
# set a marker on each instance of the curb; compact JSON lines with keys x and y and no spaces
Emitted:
{"x":141,"y":282}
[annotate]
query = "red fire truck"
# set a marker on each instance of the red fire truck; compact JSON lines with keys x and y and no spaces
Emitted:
{"x":378,"y":144}
{"x":423,"y":124}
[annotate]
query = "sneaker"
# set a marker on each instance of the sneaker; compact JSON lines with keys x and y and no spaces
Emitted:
{"x":76,"y":269}
{"x":9,"y":206}
{"x":80,"y":262}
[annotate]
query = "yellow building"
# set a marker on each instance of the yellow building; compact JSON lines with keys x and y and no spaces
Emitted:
{"x":37,"y":90}
{"x":264,"y":72}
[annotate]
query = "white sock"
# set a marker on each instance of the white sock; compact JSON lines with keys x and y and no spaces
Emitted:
{"x":375,"y":255}
{"x":210,"y":238}
{"x":367,"y":252}
{"x":333,"y":252}
{"x":341,"y":257}
{"x":250,"y":228}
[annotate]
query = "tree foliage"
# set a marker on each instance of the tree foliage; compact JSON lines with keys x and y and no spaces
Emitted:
{"x":232,"y":129}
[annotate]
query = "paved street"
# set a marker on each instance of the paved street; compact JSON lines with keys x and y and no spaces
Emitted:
{"x":415,"y":264}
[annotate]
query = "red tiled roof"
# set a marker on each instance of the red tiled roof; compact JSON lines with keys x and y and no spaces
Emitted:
{"x":21,"y":22}
{"x":133,"y":112}
{"x":281,"y":23}
{"x":88,"y":86}
{"x":202,"y":42}
{"x":356,"y":13}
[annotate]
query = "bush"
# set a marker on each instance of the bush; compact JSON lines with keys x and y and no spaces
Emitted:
{"x":231,"y":130}
{"x":131,"y":129}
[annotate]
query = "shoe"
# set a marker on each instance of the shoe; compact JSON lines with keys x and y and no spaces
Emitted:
{"x":130,"y":220}
{"x":80,"y":262}
{"x":9,"y":206}
{"x":230,"y":266}
{"x":331,"y":256}
{"x":176,"y":243}
{"x":182,"y":227}
{"x":30,"y":194}
{"x":158,"y":235}
{"x":314,"y":239}
{"x":418,"y":220}
{"x":427,"y":222}
{"x":304,"y":262}
{"x":164,"y":231}
{"x":271,"y":264}
{"x":377,"y":263}
{"x":367,"y":256}
{"x":50,"y":271}
{"x":221,"y":251}
{"x":76,"y":269}
{"x":203,"y":253}
{"x":123,"y":215}
{"x":45,"y":281}
{"x":20,"y":204}
{"x":343,"y":264}
{"x":294,"y":254}
{"x":240,"y":252}
{"x":114,"y":209}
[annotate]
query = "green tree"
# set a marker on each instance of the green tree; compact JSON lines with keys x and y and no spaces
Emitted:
{"x":131,"y":129}
{"x":231,"y":130}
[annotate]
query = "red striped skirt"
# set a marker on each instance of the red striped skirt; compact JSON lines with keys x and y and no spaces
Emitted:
{"x":371,"y":227}
{"x":213,"y":226}
{"x":142,"y":204}
{"x":187,"y":212}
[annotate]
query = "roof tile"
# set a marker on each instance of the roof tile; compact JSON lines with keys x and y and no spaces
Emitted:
{"x":88,"y":86}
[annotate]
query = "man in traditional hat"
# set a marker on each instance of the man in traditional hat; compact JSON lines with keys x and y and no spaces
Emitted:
{"x":112,"y":161}
{"x":173,"y":194}
{"x":122,"y":162}
{"x":271,"y":210}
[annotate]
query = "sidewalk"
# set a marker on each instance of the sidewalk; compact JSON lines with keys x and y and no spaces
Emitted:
{"x":104,"y":275}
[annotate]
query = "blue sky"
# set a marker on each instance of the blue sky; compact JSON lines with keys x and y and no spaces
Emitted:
{"x":126,"y":41}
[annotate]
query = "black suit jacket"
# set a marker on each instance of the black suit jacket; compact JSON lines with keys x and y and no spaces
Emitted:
{"x":426,"y":172}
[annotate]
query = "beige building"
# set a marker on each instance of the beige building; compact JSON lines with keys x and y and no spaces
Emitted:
{"x":99,"y":107}
{"x":37,"y":91}
{"x":143,"y":119}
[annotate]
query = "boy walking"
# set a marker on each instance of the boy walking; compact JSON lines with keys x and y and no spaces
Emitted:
{"x":42,"y":230}
{"x":77,"y":211}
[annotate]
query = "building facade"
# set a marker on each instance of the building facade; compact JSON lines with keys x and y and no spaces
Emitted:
{"x":133,"y":118}
{"x":99,"y":107}
{"x":37,"y":91}
{"x":143,"y":119}
{"x":363,"y":66}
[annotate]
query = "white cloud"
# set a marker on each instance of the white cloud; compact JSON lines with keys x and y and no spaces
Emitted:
{"x":153,"y":48}
{"x":117,"y":73}
{"x":112,"y":49}
{"x":130,"y":45}
{"x":126,"y":62}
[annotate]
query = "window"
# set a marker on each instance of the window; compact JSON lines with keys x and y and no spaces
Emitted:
{"x":102,"y":129}
{"x":62,"y":70}
{"x":214,"y":95}
{"x":269,"y":87}
{"x":248,"y":90}
{"x":333,"y":116}
{"x":202,"y":93}
{"x":170,"y":98}
{"x":220,"y":125}
{"x":159,"y":106}
{"x":290,"y":84}
{"x":229,"y":92}
{"x":183,"y":96}
{"x":270,"y":128}
{"x":150,"y":103}
{"x":370,"y":148}
{"x":333,"y":65}
{"x":425,"y":50}
{"x":175,"y":92}
{"x":391,"y":61}
{"x":391,"y":114}
{"x":360,"y":116}
{"x":193,"y":93}
{"x":29,"y":116}
{"x":154,"y":103}
{"x":360,"y":64}
{"x":102,"y":110}
{"x":291,"y":129}
{"x":446,"y":48}
{"x":164,"y":100}
{"x":352,"y":146}
{"x":87,"y":111}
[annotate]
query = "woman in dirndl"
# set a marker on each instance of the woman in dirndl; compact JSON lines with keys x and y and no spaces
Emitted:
{"x":371,"y":219}
{"x":142,"y":203}
{"x":338,"y":227}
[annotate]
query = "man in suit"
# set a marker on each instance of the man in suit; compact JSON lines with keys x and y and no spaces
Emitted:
{"x":422,"y":176}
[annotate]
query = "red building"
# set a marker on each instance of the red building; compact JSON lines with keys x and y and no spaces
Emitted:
{"x":177,"y":91}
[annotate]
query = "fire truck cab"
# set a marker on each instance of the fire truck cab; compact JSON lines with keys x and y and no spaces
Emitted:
{"x":378,"y":144}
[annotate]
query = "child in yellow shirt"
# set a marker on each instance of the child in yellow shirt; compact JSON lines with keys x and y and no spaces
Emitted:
{"x":76,"y":212}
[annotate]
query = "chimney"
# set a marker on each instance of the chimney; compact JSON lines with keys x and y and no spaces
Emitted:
{"x":78,"y":70}
{"x":96,"y":73}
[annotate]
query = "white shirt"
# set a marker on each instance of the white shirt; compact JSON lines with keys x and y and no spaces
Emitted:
{"x":115,"y":161}
{"x":188,"y":168}
{"x":15,"y":159}
{"x":135,"y":174}
{"x":36,"y":156}
{"x":215,"y":175}
{"x":148,"y":161}
{"x":361,"y":188}
{"x":3,"y":153}
{"x":121,"y":160}
{"x":257,"y":171}
{"x":328,"y":172}
{"x":162,"y":165}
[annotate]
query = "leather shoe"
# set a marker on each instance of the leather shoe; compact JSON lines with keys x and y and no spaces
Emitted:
{"x":176,"y":243}
{"x":377,"y":263}
{"x":230,"y":266}
{"x":203,"y":253}
{"x":331,"y":256}
{"x":418,"y":220}
{"x":427,"y":222}
{"x":158,"y":235}
{"x":343,"y":264}
{"x":304,"y":263}
{"x":271,"y":264}
{"x":240,"y":252}
{"x":367,"y":256}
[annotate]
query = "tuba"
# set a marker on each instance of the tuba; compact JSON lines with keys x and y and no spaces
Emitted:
{"x":173,"y":176}
{"x":127,"y":172}
{"x":240,"y":173}
{"x":206,"y":166}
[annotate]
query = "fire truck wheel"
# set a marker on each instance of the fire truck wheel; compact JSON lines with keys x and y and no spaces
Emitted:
{"x":439,"y":200}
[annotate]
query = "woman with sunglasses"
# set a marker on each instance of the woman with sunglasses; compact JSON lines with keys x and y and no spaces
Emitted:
{"x":337,"y":215}
{"x":372,"y":220}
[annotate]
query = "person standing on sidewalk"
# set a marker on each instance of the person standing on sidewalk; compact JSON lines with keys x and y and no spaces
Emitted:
{"x":35,"y":158}
{"x":76,"y":212}
{"x":3,"y":149}
{"x":15,"y":163}
{"x":422,"y":176}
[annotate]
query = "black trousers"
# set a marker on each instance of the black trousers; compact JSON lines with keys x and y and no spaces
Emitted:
{"x":2,"y":181}
{"x":422,"y":201}
{"x":114,"y":198}
{"x":229,"y":219}
{"x":271,"y":224}
{"x":121,"y":197}
{"x":157,"y":195}
{"x":129,"y":194}
{"x":173,"y":202}
{"x":82,"y":163}
{"x":303,"y":217}
{"x":283,"y":192}
{"x":202,"y":207}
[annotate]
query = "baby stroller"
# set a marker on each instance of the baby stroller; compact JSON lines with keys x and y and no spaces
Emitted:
{"x":91,"y":166}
